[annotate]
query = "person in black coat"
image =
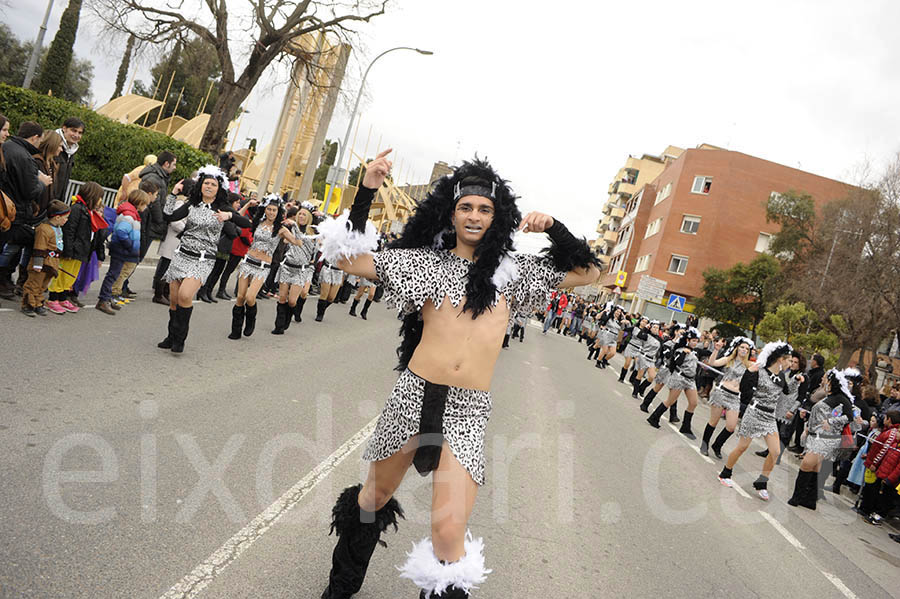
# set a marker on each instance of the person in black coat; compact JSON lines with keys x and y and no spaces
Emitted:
{"x":77,"y":245}
{"x":813,"y":382}
{"x":21,"y":180}
{"x":230,"y":231}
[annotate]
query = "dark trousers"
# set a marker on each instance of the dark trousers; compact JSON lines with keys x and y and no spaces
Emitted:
{"x":877,"y":497}
{"x":520,"y":331}
{"x":232,"y":263}
{"x":217,"y":270}
{"x":115,"y":267}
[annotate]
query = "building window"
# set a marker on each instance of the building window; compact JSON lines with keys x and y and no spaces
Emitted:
{"x":690,"y":224}
{"x":653,"y":228}
{"x":763,"y":241}
{"x":643,"y":263}
{"x":701,"y":185}
{"x":663,"y":193}
{"x":678,"y":264}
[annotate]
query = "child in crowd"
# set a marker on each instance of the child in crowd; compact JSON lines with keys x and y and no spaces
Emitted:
{"x":124,"y":248}
{"x":882,"y":465}
{"x":77,"y":237}
{"x":48,"y":245}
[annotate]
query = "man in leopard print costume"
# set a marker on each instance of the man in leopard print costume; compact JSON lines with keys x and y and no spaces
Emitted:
{"x":455,"y":279}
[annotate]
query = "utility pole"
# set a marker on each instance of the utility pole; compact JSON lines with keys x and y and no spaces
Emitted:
{"x":36,"y":51}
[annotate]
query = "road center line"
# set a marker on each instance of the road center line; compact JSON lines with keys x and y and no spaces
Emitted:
{"x":205,"y":572}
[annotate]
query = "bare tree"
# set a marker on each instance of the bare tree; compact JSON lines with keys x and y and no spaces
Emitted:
{"x":269,"y":26}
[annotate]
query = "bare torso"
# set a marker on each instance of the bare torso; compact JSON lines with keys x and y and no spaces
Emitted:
{"x":457,"y":350}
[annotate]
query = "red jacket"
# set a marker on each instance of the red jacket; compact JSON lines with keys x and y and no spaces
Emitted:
{"x":242,"y":242}
{"x":883,"y":456}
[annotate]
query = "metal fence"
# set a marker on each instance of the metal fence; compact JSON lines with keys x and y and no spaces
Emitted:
{"x":109,"y":194}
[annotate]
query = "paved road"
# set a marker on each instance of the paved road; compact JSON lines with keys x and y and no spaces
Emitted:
{"x":132,"y":472}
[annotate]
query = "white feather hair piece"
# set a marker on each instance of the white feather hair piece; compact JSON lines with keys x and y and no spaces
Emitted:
{"x":338,"y":241}
{"x":770,"y":347}
{"x":308,"y":206}
{"x":852,"y":373}
{"x":211,"y":170}
{"x":431,"y":576}
{"x":842,"y":380}
{"x":507,"y":272}
{"x":270,"y":198}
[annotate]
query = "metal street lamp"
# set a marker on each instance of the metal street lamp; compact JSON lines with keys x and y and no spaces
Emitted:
{"x":36,"y":51}
{"x":343,"y":149}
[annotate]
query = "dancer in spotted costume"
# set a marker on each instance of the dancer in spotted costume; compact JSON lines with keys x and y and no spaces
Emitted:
{"x":295,"y":273}
{"x":455,"y":280}
{"x":206,"y":210}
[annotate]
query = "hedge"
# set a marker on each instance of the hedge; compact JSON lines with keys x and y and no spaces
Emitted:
{"x":109,"y":149}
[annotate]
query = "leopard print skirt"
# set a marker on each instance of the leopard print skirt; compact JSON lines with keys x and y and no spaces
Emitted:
{"x":465,"y":419}
{"x":331,"y":276}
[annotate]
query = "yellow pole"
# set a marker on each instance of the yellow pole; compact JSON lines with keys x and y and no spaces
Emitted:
{"x":174,"y":111}
{"x":202,"y":106}
{"x":155,"y":89}
{"x":165,"y":97}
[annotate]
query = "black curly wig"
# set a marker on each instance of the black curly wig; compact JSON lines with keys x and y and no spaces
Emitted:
{"x":195,"y":197}
{"x":431,"y":223}
{"x":260,"y":214}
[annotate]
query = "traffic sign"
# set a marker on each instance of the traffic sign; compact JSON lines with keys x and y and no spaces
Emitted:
{"x":650,"y":288}
{"x":675,"y":303}
{"x":620,"y":278}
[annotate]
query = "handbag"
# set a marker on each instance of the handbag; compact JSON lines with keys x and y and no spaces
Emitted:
{"x":7,"y":212}
{"x":870,"y":477}
{"x":847,"y":441}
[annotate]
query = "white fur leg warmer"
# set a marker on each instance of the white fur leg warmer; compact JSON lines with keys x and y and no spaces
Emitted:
{"x":338,"y":241}
{"x":433,"y":577}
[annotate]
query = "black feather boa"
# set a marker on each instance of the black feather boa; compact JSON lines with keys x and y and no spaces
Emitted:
{"x":432,"y":219}
{"x":579,"y":255}
{"x":345,"y":515}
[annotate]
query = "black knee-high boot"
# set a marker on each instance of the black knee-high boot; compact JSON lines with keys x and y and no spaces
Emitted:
{"x":353,"y":307}
{"x":298,"y":309}
{"x":237,"y":321}
{"x":656,"y":415}
{"x":645,"y":405}
{"x":250,"y":320}
{"x":633,"y":377}
{"x":321,"y":306}
{"x":182,"y":325}
{"x":720,"y":441}
{"x":365,"y":311}
{"x":358,"y":533}
{"x":673,"y":414}
{"x":804,"y":490}
{"x":707,"y":435}
{"x":686,"y":426}
{"x":282,"y":315}
{"x":643,"y":388}
{"x":622,"y":375}
{"x":167,"y":342}
{"x":505,"y":341}
{"x":635,"y":386}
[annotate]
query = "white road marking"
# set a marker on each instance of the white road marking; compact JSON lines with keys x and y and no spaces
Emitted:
{"x":837,"y":582}
{"x":617,"y":392}
{"x":6,"y":310}
{"x":694,"y":447}
{"x":201,"y":576}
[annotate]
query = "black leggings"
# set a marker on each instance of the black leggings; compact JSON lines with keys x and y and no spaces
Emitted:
{"x":232,"y":263}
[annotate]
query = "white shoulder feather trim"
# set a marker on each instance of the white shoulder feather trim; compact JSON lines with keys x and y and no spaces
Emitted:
{"x":339,"y":241}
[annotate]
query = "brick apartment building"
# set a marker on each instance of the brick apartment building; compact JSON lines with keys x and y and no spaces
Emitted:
{"x":706,"y":208}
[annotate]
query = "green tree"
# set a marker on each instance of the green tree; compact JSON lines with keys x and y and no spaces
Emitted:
{"x":741,"y":294}
{"x":14,"y":61}
{"x":799,"y":326}
{"x":329,"y":155}
{"x":123,"y":68}
{"x":59,"y":57}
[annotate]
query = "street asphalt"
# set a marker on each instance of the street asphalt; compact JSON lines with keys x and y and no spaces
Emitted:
{"x":133,"y":472}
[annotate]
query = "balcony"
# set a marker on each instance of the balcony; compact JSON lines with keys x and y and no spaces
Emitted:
{"x":617,"y":212}
{"x":602,"y":226}
{"x":610,"y":236}
{"x":624,"y":187}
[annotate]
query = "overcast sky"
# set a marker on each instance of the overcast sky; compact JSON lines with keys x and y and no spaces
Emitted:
{"x":558,"y":95}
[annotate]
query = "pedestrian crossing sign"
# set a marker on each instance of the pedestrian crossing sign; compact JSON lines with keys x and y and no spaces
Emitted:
{"x":620,"y":278}
{"x":675,"y":303}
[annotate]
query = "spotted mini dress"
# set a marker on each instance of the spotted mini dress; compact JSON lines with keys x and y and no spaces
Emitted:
{"x":724,"y":397}
{"x":413,"y":277}
{"x":759,"y":417}
{"x":683,"y":376}
{"x":610,"y":333}
{"x":264,"y":240}
{"x":297,"y":266}
{"x":196,"y":253}
{"x":818,"y":440}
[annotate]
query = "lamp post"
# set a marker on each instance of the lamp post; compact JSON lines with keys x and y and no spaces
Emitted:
{"x":36,"y":51}
{"x":343,"y":148}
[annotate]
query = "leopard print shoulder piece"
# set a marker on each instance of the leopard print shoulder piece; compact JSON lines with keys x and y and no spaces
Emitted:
{"x":411,"y":277}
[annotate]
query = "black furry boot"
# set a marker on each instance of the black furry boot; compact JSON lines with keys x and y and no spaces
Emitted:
{"x":686,"y":426}
{"x":505,"y":341}
{"x":720,"y":441}
{"x":321,"y":306}
{"x":358,"y":533}
{"x":298,"y":309}
{"x":182,"y":326}
{"x":365,"y":311}
{"x":237,"y":321}
{"x":167,"y":342}
{"x":656,"y":415}
{"x":353,"y":307}
{"x":673,"y":414}
{"x":249,"y":320}
{"x":622,"y":375}
{"x":707,"y":435}
{"x":645,"y":405}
